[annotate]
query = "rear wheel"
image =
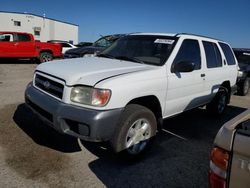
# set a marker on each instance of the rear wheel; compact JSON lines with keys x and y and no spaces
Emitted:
{"x":218,"y":105}
{"x":45,"y":56}
{"x":244,"y":88}
{"x":135,"y":131}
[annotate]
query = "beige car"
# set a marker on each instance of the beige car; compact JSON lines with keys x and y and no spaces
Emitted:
{"x":230,"y":156}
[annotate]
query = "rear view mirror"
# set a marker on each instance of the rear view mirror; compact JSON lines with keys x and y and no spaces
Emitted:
{"x":184,"y":66}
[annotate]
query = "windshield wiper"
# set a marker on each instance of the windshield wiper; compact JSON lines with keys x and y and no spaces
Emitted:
{"x":130,"y":59}
{"x":106,"y":55}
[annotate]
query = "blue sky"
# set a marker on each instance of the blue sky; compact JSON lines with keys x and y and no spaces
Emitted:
{"x":226,"y":19}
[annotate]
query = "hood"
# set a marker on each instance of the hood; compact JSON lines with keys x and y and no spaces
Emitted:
{"x":89,"y":70}
{"x":83,"y":50}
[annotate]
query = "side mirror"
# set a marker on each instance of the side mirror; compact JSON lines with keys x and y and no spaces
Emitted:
{"x":184,"y":66}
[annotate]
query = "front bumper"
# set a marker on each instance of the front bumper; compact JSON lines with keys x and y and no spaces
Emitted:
{"x":83,"y":123}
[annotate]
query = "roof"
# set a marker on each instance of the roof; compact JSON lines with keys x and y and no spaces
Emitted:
{"x":153,"y":34}
{"x":13,"y":32}
{"x":39,"y":17}
{"x":174,"y":35}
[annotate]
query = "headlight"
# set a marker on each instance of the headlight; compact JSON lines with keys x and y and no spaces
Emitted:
{"x":88,"y":55}
{"x":240,"y":73}
{"x":90,"y":96}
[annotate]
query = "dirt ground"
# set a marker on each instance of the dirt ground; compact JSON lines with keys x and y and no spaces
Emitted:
{"x":34,"y":155}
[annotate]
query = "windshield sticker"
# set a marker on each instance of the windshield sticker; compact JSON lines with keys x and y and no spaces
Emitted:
{"x":164,"y":41}
{"x":246,"y":53}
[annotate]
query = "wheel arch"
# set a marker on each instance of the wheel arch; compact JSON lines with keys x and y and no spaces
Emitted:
{"x":46,"y":50}
{"x":226,"y":85}
{"x":151,"y":102}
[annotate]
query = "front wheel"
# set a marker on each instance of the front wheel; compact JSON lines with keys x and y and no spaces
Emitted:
{"x":135,"y":131}
{"x":45,"y":56}
{"x":218,"y":105}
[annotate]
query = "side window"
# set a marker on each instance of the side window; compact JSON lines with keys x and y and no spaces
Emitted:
{"x":65,"y":45}
{"x":213,"y":56}
{"x":23,"y":37}
{"x":189,"y":51}
{"x":6,"y":38}
{"x":228,"y":53}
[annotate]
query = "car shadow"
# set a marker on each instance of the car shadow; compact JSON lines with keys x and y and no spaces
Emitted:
{"x":43,"y":134}
{"x":179,"y":156}
{"x":17,"y":61}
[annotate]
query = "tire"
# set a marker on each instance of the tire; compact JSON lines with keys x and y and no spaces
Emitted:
{"x":219,"y":104}
{"x":135,"y":131}
{"x":45,"y":56}
{"x":244,"y":87}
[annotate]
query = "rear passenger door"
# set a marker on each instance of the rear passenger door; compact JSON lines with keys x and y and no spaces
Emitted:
{"x":214,"y":74}
{"x":25,"y":46}
{"x":185,"y":89}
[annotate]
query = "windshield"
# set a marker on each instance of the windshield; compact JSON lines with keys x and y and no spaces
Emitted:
{"x":142,"y":49}
{"x":104,"y":41}
{"x":243,"y":57}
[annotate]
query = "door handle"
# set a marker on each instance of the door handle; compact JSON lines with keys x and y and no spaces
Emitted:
{"x":203,"y":75}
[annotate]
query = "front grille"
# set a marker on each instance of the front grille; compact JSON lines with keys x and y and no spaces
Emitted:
{"x":49,"y":86}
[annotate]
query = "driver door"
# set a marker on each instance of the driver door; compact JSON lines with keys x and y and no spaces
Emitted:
{"x":185,"y":89}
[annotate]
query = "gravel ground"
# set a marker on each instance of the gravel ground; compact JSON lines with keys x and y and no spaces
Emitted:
{"x":34,"y":155}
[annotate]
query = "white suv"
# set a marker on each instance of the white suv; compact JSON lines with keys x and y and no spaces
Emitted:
{"x":123,"y":94}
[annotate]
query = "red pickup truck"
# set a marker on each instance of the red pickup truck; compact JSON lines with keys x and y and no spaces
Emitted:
{"x":23,"y":45}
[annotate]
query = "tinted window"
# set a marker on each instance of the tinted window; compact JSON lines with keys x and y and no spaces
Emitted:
{"x":213,"y":56}
{"x":189,"y":51}
{"x":65,"y":45}
{"x":228,"y":54}
{"x":23,"y":37}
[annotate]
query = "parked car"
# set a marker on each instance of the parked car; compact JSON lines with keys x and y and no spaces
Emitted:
{"x":123,"y":94}
{"x":83,"y":44}
{"x":65,"y":45}
{"x":23,"y":45}
{"x":230,"y":156}
{"x":243,"y":82}
{"x":96,"y":47}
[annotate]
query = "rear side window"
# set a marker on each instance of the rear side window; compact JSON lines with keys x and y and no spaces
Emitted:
{"x":23,"y":37}
{"x":228,"y":53}
{"x":65,"y":45}
{"x":189,"y":51}
{"x":213,"y":56}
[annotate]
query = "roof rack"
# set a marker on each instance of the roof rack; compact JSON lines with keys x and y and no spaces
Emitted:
{"x":195,"y":35}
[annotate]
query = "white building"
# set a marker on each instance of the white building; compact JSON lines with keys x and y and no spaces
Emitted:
{"x":42,"y":28}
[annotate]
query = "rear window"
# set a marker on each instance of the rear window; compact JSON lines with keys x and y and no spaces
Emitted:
{"x":228,"y":53}
{"x":23,"y":37}
{"x":213,"y":56}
